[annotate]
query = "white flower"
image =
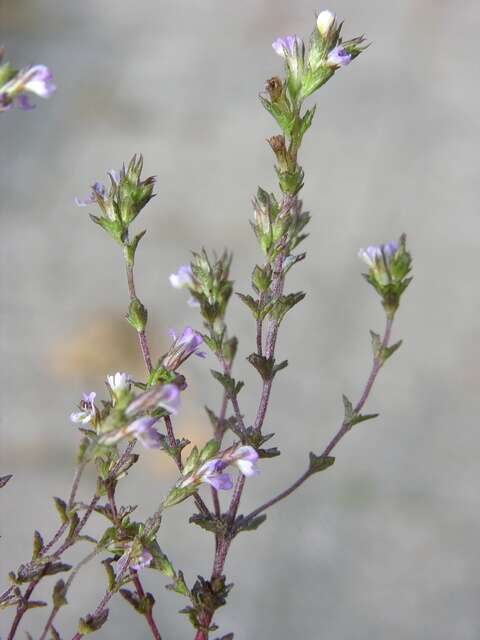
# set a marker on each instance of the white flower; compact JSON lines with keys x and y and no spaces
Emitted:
{"x":119,"y":382}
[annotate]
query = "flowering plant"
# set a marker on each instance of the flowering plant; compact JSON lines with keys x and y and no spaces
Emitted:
{"x":143,"y":410}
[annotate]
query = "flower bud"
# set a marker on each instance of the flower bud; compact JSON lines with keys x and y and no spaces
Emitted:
{"x":325,"y":21}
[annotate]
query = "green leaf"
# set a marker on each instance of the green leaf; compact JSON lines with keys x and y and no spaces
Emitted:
{"x":61,"y":507}
{"x":137,"y":315}
{"x":59,"y":594}
{"x":319,"y":463}
{"x":210,"y":523}
{"x":191,"y":462}
{"x":179,"y":494}
{"x":160,"y":560}
{"x":38,"y":545}
{"x":179,"y":585}
{"x":284,"y":304}
{"x":251,"y":303}
{"x":357,"y":418}
{"x":209,"y":450}
{"x":111,"y":579}
{"x":92,"y":623}
{"x":387,"y":352}
{"x":244,"y":524}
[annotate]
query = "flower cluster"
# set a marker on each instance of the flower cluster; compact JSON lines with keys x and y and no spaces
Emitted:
{"x":389,"y":264}
{"x":128,"y":416}
{"x":16,"y":85}
{"x":214,"y":472}
{"x":327,"y":52}
{"x":122,"y":201}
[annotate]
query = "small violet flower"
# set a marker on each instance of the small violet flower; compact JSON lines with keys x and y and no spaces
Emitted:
{"x":144,"y":430}
{"x":325,"y":21}
{"x":99,"y":191}
{"x":37,"y":79}
{"x":165,"y":396}
{"x":184,"y":278}
{"x":245,"y":459}
{"x":87,"y":409}
{"x":289,"y":47}
{"x":133,"y":558}
{"x":339,"y":57}
{"x":119,"y":382}
{"x":213,"y":473}
{"x":379,"y":260}
{"x":183,"y":347}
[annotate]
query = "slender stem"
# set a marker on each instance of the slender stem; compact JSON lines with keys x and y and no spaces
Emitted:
{"x":22,"y":607}
{"x":344,"y":428}
{"x":172,"y":441}
{"x":237,"y":494}
{"x":68,"y":583}
{"x":142,"y":336}
{"x":149,"y":613}
{"x":106,"y":598}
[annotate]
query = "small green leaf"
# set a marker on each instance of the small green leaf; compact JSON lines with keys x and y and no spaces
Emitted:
{"x":209,"y":450}
{"x":92,"y":623}
{"x":357,"y":418}
{"x":179,"y":494}
{"x":160,"y":561}
{"x":387,"y":352}
{"x":191,"y":462}
{"x":137,"y":315}
{"x":210,"y":523}
{"x":179,"y":585}
{"x":61,"y":507}
{"x":38,"y":545}
{"x":244,"y":524}
{"x":59,"y":594}
{"x":111,"y":580}
{"x":319,"y":463}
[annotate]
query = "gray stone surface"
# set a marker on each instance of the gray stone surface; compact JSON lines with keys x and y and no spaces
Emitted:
{"x":385,"y":545}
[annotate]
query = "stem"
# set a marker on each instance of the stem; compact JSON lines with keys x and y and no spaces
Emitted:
{"x":142,"y":336}
{"x":344,"y":428}
{"x":149,"y":613}
{"x":68,"y":583}
{"x":172,"y":441}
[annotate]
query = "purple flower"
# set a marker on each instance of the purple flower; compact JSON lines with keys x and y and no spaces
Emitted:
{"x":37,"y":79}
{"x":99,"y":190}
{"x":165,"y":396}
{"x":141,"y":561}
{"x":135,"y":557}
{"x":289,"y":47}
{"x":183,"y":347}
{"x":379,"y":260}
{"x":245,"y":458}
{"x":144,"y":430}
{"x":87,"y":409}
{"x":339,"y":57}
{"x":183,"y":277}
{"x":213,"y":473}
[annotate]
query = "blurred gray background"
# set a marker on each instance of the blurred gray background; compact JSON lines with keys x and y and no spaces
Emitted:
{"x":385,"y":545}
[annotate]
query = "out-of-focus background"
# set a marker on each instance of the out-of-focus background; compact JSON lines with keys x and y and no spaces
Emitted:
{"x":386,"y":543}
